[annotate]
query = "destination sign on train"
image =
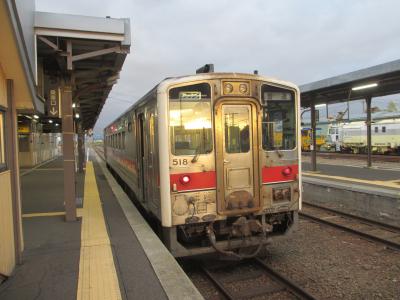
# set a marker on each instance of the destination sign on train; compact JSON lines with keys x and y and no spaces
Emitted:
{"x":276,"y":96}
{"x":189,"y":96}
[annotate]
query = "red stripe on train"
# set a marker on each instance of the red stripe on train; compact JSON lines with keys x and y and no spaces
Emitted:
{"x":198,"y":181}
{"x":276,"y":174}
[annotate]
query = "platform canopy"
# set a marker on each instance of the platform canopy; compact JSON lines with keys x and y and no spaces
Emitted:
{"x":341,"y":88}
{"x":83,"y":52}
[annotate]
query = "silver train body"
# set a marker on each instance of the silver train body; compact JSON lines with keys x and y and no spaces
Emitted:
{"x":214,"y":158}
{"x":352,"y":136}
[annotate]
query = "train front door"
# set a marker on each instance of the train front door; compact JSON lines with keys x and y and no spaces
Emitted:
{"x":237,"y":157}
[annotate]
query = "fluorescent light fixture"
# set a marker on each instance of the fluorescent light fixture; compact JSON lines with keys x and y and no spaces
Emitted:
{"x":320,"y":105}
{"x":50,"y":121}
{"x":57,"y":124}
{"x":29,"y":117}
{"x":77,"y":115}
{"x":366,"y":86}
{"x":73,"y":105}
{"x":36,"y":116}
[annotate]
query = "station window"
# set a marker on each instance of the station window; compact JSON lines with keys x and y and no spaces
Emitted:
{"x":190,"y":119}
{"x":278,"y":118}
{"x":376,"y":129}
{"x":383,"y":129}
{"x":2,"y":143}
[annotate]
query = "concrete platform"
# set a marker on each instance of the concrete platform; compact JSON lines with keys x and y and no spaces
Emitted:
{"x":367,"y":192}
{"x":59,"y":255}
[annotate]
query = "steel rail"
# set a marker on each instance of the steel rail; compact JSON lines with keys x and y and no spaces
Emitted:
{"x":217,"y":283}
{"x":284,"y":282}
{"x":362,"y":219}
{"x":367,"y":236}
{"x":290,"y":285}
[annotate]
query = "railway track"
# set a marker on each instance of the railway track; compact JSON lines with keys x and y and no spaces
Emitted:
{"x":334,"y":155}
{"x":382,"y":233}
{"x":252,"y":278}
{"x":99,"y":150}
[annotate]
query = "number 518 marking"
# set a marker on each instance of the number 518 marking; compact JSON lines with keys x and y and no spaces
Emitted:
{"x":180,"y":162}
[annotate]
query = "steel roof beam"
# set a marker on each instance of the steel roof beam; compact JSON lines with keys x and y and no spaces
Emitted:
{"x":115,"y":49}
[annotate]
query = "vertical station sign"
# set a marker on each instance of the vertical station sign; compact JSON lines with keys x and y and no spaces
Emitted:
{"x":53,"y":104}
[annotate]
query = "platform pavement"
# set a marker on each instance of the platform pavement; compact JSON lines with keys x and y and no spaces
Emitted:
{"x":366,"y":192}
{"x":53,"y":248}
{"x":363,"y":176}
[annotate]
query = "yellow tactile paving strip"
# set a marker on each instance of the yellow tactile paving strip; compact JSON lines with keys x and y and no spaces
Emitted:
{"x":97,"y":275}
{"x":389,"y":183}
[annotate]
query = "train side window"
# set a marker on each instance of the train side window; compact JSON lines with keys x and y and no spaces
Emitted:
{"x":278,"y":118}
{"x":383,"y":128}
{"x":190,"y":119}
{"x":123,"y":140}
{"x":2,"y":143}
{"x":376,"y":129}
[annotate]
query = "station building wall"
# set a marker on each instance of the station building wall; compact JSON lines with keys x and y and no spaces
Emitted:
{"x":16,"y":92}
{"x":7,"y":238}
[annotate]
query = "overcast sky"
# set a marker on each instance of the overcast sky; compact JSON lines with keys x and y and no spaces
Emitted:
{"x":298,"y":41}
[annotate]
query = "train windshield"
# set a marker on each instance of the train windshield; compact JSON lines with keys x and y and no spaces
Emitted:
{"x":278,"y":118}
{"x":190,"y":119}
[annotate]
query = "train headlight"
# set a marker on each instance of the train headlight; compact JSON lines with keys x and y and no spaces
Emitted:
{"x":243,"y":88}
{"x":286,"y":194}
{"x":281,"y":194}
{"x":185,"y":179}
{"x":228,"y":88}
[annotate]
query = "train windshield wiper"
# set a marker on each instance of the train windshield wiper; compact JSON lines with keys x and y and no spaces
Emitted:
{"x":198,"y":153}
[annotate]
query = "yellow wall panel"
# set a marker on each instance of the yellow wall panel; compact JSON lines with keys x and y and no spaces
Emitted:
{"x":7,"y":250}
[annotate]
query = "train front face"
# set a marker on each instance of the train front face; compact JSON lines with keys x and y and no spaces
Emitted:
{"x":234,"y":164}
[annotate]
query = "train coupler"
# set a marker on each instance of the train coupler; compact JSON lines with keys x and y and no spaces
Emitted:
{"x":245,"y":233}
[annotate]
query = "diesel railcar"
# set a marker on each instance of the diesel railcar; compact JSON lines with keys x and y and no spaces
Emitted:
{"x":215,"y":158}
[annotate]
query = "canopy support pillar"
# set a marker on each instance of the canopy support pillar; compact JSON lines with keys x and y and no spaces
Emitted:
{"x":369,"y":133}
{"x":68,"y":154}
{"x":313,"y":146}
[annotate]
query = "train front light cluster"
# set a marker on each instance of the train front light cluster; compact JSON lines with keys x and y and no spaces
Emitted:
{"x":236,"y":88}
{"x":281,"y":194}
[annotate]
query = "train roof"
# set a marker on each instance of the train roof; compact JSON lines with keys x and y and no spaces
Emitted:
{"x":378,"y":122}
{"x":164,"y":84}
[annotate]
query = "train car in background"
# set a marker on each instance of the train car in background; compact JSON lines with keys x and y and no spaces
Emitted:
{"x":306,"y":139}
{"x":352,"y":137}
{"x":214,"y":158}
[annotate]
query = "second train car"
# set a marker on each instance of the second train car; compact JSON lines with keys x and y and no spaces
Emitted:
{"x":214,"y":158}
